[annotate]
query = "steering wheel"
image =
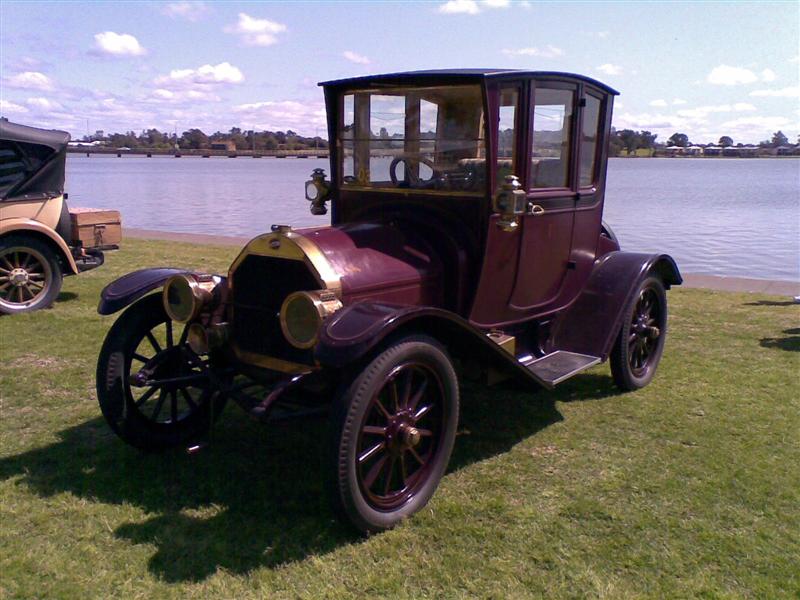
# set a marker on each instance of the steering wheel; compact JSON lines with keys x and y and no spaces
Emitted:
{"x":414,"y":180}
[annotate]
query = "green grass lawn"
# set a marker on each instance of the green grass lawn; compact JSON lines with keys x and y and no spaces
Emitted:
{"x":690,"y":487}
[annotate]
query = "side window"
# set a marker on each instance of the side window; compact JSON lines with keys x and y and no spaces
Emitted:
{"x":12,"y":167}
{"x":589,"y":138}
{"x":552,"y":131}
{"x":346,"y":137}
{"x":506,"y":134}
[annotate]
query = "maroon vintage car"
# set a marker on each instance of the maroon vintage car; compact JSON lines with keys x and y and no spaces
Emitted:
{"x":466,"y":236}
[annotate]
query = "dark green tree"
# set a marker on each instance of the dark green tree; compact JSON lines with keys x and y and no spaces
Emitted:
{"x":678,"y":139}
{"x":779,"y":139}
{"x":725,"y":141}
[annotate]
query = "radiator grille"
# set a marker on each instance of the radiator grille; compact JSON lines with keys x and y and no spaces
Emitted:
{"x":260,"y":285}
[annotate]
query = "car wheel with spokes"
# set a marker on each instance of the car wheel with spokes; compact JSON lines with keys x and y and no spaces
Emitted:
{"x":638,"y":348}
{"x":154,"y":391}
{"x":393,"y":432}
{"x":30,"y":275}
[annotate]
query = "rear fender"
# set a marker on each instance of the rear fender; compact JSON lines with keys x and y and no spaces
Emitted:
{"x":356,"y":331}
{"x":30,"y":227}
{"x":127,"y":289}
{"x":591,"y":323}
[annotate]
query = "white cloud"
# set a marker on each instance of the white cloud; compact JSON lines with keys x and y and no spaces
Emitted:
{"x":727,"y":75}
{"x":610,"y":69}
{"x":207,"y":75}
{"x":763,"y":123}
{"x":701,"y":112}
{"x":787,"y":92}
{"x":768,"y":75}
{"x":678,"y":101}
{"x":471,"y":7}
{"x":548,"y":52}
{"x":30,"y":80}
{"x":256,"y":32}
{"x":11,"y":107}
{"x":117,"y":44}
{"x":452,"y":7}
{"x":183,"y":96}
{"x":191,"y":11}
{"x":795,"y":59}
{"x":301,"y":117}
{"x":603,"y":34}
{"x":359,"y":59}
{"x":43,"y":104}
{"x":658,"y":102}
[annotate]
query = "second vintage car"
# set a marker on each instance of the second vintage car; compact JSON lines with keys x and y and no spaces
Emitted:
{"x":466,"y":235}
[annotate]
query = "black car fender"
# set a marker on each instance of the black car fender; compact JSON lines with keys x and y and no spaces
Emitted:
{"x":598,"y":309}
{"x":360,"y":329}
{"x":127,"y":289}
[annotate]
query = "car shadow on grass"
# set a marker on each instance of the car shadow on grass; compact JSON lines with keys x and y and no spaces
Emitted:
{"x":790,"y":343}
{"x":256,"y":497}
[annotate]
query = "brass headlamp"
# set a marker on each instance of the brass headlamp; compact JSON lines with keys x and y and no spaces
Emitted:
{"x":509,"y":203}
{"x":302,"y":314}
{"x":186,"y":294}
{"x":317,"y":192}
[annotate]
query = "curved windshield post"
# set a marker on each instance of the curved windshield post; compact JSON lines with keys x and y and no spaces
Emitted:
{"x":421,"y":138}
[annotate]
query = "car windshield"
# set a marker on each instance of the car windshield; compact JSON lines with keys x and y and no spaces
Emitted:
{"x":427,"y":138}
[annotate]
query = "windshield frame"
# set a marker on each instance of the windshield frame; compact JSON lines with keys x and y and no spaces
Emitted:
{"x":482,"y":142}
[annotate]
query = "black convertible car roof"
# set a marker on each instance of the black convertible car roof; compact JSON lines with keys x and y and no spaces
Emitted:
{"x":460,"y":76}
{"x":52,"y":138}
{"x":33,"y":161}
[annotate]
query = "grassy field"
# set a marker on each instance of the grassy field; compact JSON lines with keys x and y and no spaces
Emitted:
{"x":690,"y":487}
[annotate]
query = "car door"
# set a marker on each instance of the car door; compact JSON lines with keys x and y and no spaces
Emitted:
{"x":546,"y":228}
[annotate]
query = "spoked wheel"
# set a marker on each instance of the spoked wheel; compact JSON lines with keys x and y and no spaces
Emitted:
{"x":154,"y":391}
{"x":394,"y":430}
{"x":638,"y":348}
{"x":30,"y":276}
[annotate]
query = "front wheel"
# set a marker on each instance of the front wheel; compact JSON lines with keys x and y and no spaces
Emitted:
{"x":640,"y":343}
{"x":393,"y":433}
{"x":154,"y":391}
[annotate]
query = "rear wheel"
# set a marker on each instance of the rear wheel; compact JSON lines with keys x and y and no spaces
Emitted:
{"x":640,"y":343}
{"x":154,"y":391}
{"x":30,"y":275}
{"x":393,"y":433}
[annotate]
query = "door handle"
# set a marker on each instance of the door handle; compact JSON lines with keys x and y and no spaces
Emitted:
{"x":536,"y":209}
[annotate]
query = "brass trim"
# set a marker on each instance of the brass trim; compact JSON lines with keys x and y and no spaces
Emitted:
{"x":323,"y":302}
{"x":272,"y":363}
{"x":201,"y":292}
{"x":291,"y":245}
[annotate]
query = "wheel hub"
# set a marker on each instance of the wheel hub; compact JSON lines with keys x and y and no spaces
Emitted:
{"x":19,"y":277}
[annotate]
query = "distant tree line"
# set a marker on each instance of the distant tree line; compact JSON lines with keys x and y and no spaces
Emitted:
{"x":630,"y":141}
{"x":198,"y":140}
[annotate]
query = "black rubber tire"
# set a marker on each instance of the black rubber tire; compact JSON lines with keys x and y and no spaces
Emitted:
{"x":53,"y":276}
{"x":349,"y":502}
{"x":623,"y":373}
{"x":114,"y":392}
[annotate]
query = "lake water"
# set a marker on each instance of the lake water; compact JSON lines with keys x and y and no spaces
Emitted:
{"x":738,"y":217}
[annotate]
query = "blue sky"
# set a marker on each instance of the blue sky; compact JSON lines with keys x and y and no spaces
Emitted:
{"x":703,"y":68}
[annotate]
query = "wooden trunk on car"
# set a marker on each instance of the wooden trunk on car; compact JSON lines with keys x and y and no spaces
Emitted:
{"x":95,"y":228}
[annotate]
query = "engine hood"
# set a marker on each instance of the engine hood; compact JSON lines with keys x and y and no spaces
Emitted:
{"x":361,"y":261}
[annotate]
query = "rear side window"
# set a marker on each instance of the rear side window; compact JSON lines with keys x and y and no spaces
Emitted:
{"x":589,"y":138}
{"x":13,"y":169}
{"x":552,"y":131}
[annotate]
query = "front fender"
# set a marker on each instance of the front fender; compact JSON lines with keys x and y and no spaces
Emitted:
{"x":357,"y":330}
{"x":591,"y":323}
{"x":29,"y":226}
{"x":127,"y":289}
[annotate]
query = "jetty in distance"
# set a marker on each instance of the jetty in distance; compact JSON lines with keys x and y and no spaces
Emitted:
{"x":203,"y":152}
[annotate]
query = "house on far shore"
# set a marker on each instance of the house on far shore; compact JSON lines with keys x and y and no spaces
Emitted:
{"x":784,"y":150}
{"x":712,"y":151}
{"x":693,"y":151}
{"x":223,"y":145}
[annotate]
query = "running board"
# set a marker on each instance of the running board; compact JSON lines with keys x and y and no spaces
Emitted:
{"x":558,"y":366}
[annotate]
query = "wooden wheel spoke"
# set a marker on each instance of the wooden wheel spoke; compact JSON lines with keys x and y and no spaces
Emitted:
{"x":188,"y":397}
{"x":412,"y":406}
{"x":422,"y":412}
{"x":366,"y":455}
{"x":146,"y":396}
{"x":184,"y":335}
{"x":8,"y":266}
{"x":389,"y":473}
{"x":140,"y":358}
{"x":374,"y":471}
{"x":403,"y":471}
{"x":170,"y":342}
{"x":407,"y":385}
{"x":374,"y":430}
{"x":416,"y":456}
{"x":153,"y":342}
{"x":382,"y":408}
{"x":395,"y":395}
{"x":162,"y":395}
{"x":425,"y":432}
